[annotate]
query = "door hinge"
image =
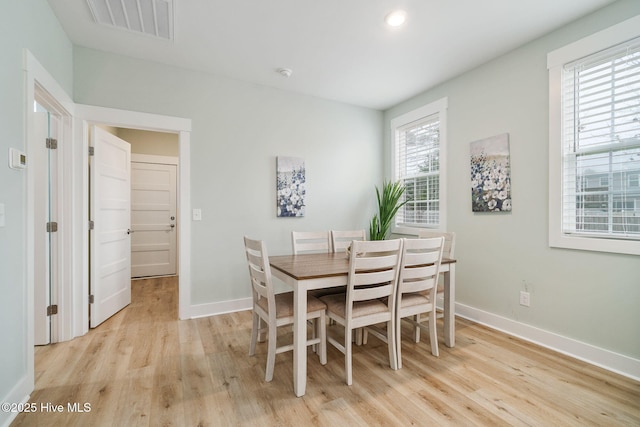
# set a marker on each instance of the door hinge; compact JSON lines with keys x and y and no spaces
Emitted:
{"x":91,"y":299}
{"x":52,"y":227}
{"x":91,"y":151}
{"x":52,"y":309}
{"x":91,"y":225}
{"x":52,"y":143}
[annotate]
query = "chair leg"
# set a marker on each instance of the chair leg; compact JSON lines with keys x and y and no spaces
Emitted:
{"x":348,"y":355}
{"x":399,"y":342}
{"x":314,"y":334}
{"x":391,"y":344}
{"x":262,"y":327}
{"x":360,"y":339}
{"x":433,"y":334}
{"x":322,"y":333}
{"x":271,"y":353}
{"x":416,"y":328}
{"x":254,"y":334}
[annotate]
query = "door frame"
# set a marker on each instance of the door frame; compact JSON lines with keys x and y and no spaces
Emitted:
{"x":40,"y":84}
{"x":87,"y":115}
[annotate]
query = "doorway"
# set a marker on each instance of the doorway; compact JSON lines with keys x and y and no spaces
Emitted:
{"x":132,"y":199}
{"x":86,"y":116}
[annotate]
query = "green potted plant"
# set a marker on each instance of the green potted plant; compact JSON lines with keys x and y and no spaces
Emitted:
{"x":388,"y":204}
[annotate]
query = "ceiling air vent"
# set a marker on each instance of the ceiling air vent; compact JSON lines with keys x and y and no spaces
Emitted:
{"x":151,"y":17}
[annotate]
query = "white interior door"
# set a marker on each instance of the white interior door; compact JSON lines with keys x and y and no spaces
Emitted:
{"x":110,"y":211}
{"x":153,"y":219}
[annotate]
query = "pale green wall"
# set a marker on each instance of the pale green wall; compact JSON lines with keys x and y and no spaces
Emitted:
{"x":24,"y":24}
{"x":500,"y":253}
{"x":238,"y":130}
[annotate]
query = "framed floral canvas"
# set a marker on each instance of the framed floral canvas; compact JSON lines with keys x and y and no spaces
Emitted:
{"x":290,"y":186}
{"x":491,"y":174}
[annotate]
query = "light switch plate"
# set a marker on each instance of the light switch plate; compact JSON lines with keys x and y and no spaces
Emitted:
{"x":197,"y":214}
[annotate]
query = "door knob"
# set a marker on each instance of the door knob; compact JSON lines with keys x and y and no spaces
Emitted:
{"x":172,"y":225}
{"x":129,"y":231}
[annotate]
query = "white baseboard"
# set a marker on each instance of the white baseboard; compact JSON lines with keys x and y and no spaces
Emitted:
{"x":223,"y":307}
{"x":603,"y":358}
{"x":19,"y":394}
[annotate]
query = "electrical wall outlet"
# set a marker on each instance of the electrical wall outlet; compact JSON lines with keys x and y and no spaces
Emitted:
{"x":525,"y":298}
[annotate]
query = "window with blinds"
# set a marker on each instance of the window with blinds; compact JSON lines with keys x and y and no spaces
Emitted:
{"x":601,"y":144}
{"x":417,"y":157}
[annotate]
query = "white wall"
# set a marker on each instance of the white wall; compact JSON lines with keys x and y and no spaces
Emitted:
{"x":501,"y":254}
{"x":238,"y":129}
{"x":31,"y":24}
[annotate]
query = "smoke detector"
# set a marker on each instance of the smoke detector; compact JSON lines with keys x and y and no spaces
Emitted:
{"x":285,"y":72}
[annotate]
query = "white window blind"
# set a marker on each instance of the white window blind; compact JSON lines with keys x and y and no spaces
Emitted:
{"x":601,"y":144}
{"x":417,"y":165}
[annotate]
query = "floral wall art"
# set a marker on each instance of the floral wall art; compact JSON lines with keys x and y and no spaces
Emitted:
{"x":491,"y":174}
{"x":290,"y":176}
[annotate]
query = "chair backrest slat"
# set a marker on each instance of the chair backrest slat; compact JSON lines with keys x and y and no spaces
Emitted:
{"x":420,"y":265}
{"x":310,"y":241}
{"x":341,"y":239}
{"x":449,"y":248}
{"x":259,"y":271}
{"x":373,"y":270}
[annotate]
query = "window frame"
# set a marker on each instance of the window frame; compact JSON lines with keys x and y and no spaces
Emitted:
{"x":587,"y":46}
{"x":438,"y":107}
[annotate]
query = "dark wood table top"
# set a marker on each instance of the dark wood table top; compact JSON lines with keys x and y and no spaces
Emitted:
{"x":314,"y":266}
{"x":311,"y":266}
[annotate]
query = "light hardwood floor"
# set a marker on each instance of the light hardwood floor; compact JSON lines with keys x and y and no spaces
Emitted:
{"x":144,"y":367}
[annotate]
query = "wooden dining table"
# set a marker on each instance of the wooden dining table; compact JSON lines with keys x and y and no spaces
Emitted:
{"x":305,"y":272}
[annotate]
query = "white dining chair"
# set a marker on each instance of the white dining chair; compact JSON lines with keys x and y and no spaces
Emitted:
{"x":277,"y":309}
{"x":310,"y":241}
{"x":417,"y":284}
{"x":448,"y":251}
{"x":373,"y":274}
{"x":314,"y":242}
{"x":341,"y":239}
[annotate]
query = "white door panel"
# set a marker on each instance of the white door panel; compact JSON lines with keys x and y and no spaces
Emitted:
{"x":110,"y":245}
{"x":153,"y":219}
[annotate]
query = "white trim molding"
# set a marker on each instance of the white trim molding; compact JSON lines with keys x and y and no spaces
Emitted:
{"x":614,"y":35}
{"x":222,"y":307}
{"x":439,"y":107}
{"x":606,"y":359}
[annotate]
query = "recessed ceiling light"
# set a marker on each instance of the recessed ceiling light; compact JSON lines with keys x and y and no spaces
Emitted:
{"x":396,"y":18}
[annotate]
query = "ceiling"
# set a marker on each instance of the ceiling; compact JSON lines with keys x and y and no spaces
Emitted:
{"x":337,"y":49}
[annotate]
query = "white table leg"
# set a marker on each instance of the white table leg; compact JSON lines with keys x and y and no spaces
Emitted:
{"x":299,"y":339}
{"x":449,"y":306}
